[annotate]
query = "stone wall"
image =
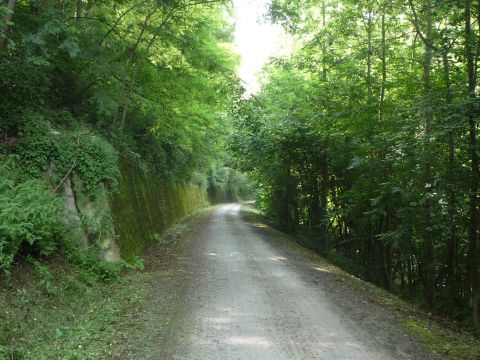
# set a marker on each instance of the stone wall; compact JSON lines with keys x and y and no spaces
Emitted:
{"x":90,"y":218}
{"x":145,"y":207}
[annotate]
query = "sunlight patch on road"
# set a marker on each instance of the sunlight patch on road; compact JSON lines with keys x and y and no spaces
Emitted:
{"x":220,"y":323}
{"x":277,"y":258}
{"x":248,"y":340}
{"x":260,"y":225}
{"x":321,"y":269}
{"x":220,"y":320}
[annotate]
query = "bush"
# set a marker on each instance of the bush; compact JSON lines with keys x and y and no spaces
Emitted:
{"x":30,"y":215}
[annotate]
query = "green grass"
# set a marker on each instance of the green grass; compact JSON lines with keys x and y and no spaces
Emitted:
{"x":443,"y":341}
{"x":83,"y":309}
{"x":74,"y":319}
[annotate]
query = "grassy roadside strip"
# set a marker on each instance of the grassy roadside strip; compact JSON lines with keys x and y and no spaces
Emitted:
{"x":54,"y":310}
{"x":75,"y":319}
{"x":436,"y":334}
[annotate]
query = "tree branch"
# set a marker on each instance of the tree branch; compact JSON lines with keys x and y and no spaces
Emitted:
{"x":415,"y":22}
{"x":118,"y":21}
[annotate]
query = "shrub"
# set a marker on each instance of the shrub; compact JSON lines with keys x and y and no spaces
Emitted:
{"x":30,"y":215}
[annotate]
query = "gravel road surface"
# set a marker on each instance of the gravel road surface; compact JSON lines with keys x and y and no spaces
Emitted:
{"x":249,"y":300}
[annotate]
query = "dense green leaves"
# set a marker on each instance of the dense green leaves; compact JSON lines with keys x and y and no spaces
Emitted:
{"x":55,"y":152}
{"x":153,"y":76}
{"x":84,"y":83}
{"x":30,"y":215}
{"x":365,"y":137}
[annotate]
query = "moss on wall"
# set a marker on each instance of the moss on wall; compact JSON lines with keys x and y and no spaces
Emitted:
{"x":145,"y":207}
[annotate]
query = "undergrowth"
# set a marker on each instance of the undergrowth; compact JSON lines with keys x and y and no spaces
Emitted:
{"x":70,"y":305}
{"x":66,"y":306}
{"x":447,"y":343}
{"x":31,"y":216}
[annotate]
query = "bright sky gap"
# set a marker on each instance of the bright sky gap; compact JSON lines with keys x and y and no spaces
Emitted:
{"x":256,"y":40}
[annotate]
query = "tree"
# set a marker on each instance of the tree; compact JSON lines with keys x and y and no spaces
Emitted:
{"x":365,"y":135}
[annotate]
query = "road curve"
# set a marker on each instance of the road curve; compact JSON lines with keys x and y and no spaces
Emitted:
{"x":251,"y":302}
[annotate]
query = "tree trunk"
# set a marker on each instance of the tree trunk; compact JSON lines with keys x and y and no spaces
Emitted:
{"x":79,"y":11}
{"x":314,"y":204}
{"x":452,"y":238}
{"x":132,"y":50}
{"x":286,"y":221}
{"x":324,"y":199}
{"x":384,"y":69}
{"x":428,"y":238}
{"x":324,"y":45}
{"x":473,"y":198}
{"x":8,"y":18}
{"x":369,"y":57}
{"x":129,"y":93}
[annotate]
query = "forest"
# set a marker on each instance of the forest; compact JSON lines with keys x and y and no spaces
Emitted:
{"x":86,"y":84}
{"x":365,"y":139}
{"x":362,"y":140}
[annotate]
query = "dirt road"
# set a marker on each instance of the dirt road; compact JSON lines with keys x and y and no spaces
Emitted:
{"x":250,"y":300}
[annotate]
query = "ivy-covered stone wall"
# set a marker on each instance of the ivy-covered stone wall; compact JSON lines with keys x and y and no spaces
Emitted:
{"x":144,"y":207}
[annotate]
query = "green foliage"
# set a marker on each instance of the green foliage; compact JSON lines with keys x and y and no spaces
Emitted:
{"x":228,"y":185}
{"x":365,"y":136}
{"x":136,"y":263}
{"x":30,"y":216}
{"x":345,"y":263}
{"x":159,"y":102}
{"x":82,"y":320}
{"x":83,"y":82}
{"x":43,"y":148}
